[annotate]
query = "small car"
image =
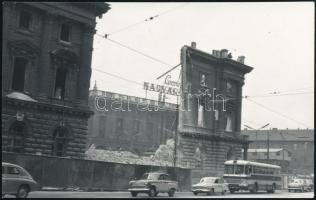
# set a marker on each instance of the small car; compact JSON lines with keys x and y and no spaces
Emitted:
{"x":210,"y":185}
{"x":17,"y":181}
{"x":153,"y":183}
{"x":299,"y":184}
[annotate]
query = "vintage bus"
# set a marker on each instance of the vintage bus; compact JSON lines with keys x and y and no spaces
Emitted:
{"x":252,"y":176}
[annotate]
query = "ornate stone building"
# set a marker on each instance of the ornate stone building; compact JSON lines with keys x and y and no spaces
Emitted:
{"x":46,"y":58}
{"x":210,"y":110}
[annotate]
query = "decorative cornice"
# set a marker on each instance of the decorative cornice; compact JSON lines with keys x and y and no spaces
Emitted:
{"x":47,"y":107}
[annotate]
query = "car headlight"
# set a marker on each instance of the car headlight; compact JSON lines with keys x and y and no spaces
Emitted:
{"x":147,"y":184}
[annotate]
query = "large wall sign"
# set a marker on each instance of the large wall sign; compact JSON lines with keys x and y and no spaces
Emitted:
{"x":169,"y":87}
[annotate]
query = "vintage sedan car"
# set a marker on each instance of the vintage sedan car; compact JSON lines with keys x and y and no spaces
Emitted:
{"x":17,"y":181}
{"x":153,"y":183}
{"x":210,"y":185}
{"x":299,"y":184}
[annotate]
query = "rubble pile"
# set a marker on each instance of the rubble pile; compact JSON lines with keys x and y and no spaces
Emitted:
{"x":162,"y":157}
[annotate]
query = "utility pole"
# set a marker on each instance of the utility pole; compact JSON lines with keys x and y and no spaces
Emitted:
{"x":176,"y":135}
{"x":268,"y":145}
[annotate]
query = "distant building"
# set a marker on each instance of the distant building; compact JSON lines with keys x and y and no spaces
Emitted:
{"x":299,"y":142}
{"x":46,"y":69}
{"x":210,"y":110}
{"x":281,"y":157}
{"x":128,"y":122}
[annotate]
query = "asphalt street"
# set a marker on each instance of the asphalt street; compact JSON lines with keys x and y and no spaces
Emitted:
{"x":70,"y":194}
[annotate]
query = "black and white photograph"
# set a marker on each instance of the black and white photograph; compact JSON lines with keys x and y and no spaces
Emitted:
{"x":158,"y":99}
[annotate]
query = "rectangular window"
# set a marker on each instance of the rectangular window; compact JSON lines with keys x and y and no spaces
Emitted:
{"x":150,"y":130}
{"x":102,"y":126}
{"x":65,"y":32}
{"x":277,"y":153}
{"x":19,"y":71}
{"x":119,"y":126}
{"x":25,"y":20}
{"x":60,"y":83}
{"x":202,"y":79}
{"x":136,"y":126}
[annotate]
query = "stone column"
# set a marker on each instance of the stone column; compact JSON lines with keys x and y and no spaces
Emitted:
{"x":7,"y":7}
{"x":238,"y":107}
{"x":44,"y":64}
{"x":83,"y":82}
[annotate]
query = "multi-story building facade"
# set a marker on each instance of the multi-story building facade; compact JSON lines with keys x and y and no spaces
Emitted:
{"x":281,"y":157}
{"x":129,"y":123}
{"x":46,"y":69}
{"x":299,"y":142}
{"x":210,"y":110}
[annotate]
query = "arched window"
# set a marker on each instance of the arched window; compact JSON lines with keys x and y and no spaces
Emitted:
{"x":17,"y":133}
{"x":60,"y":141}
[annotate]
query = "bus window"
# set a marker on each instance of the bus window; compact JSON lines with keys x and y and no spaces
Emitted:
{"x":229,"y":169}
{"x":239,"y":169}
{"x":248,"y":169}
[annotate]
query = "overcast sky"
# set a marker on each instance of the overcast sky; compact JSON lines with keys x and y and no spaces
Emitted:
{"x":277,"y":40}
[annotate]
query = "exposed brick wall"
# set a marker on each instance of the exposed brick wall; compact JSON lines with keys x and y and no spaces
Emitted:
{"x":162,"y":122}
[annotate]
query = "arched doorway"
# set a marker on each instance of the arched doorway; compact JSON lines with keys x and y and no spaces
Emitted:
{"x":16,"y":140}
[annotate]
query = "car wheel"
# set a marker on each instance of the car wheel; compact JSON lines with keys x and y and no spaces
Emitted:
{"x":302,"y":189}
{"x":134,"y":194}
{"x":232,"y":191}
{"x":195,"y":193}
{"x":223,"y":192}
{"x":171,"y":192}
{"x":23,"y":191}
{"x":152,"y":192}
{"x":211,"y":192}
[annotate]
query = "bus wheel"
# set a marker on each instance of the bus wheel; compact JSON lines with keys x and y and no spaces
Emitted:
{"x":272,"y":190}
{"x":254,"y":189}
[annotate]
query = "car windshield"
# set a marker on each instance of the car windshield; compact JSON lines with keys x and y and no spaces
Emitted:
{"x":297,"y":181}
{"x":207,"y":180}
{"x":150,"y":176}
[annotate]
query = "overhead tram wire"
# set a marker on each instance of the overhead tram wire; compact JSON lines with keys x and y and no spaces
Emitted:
{"x":145,"y":20}
{"x":267,"y":108}
{"x":117,"y":76}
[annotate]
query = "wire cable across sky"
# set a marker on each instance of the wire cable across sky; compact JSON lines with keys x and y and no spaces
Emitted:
{"x":145,"y":20}
{"x":271,"y":110}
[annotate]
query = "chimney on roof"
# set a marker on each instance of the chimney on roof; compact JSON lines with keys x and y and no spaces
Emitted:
{"x":224,"y":53}
{"x":241,"y":59}
{"x":193,"y":45}
{"x":216,"y":53}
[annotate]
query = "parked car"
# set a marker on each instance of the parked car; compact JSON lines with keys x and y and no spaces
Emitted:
{"x":210,"y":185}
{"x":17,"y":181}
{"x":153,"y":183}
{"x":299,"y":184}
